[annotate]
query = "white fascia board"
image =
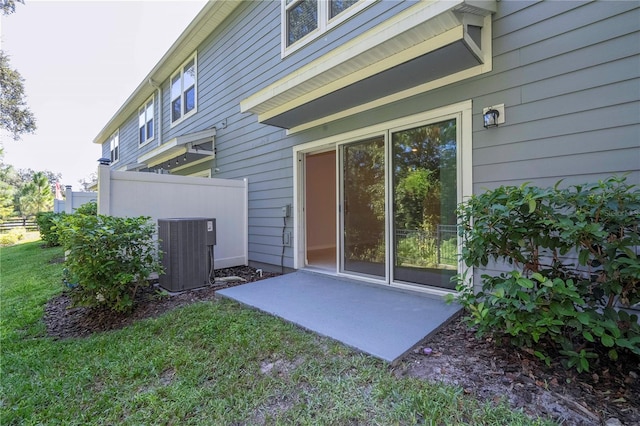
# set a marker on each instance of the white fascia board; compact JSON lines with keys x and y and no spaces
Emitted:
{"x":178,"y":146}
{"x":309,"y":81}
{"x":163,"y":153}
{"x":450,"y":36}
{"x":486,"y":66}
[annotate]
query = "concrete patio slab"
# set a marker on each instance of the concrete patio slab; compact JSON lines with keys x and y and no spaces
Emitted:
{"x":380,"y":321}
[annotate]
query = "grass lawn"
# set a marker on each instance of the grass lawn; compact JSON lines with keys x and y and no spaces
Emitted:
{"x":209,"y":363}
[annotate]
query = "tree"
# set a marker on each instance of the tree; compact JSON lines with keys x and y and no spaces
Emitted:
{"x":6,"y":200}
{"x":9,"y":6}
{"x":8,"y":181}
{"x":27,"y":175}
{"x":13,"y":187}
{"x":15,"y":116}
{"x":36,"y":196}
{"x":89,"y":181}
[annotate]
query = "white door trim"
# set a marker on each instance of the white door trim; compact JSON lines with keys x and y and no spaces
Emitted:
{"x":461,"y":110}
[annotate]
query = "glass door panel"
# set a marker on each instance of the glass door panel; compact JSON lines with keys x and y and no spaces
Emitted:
{"x":424,"y":193}
{"x":363,"y":207}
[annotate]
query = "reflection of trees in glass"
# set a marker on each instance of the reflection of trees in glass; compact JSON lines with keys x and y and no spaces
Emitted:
{"x":339,"y":6}
{"x":189,"y":86}
{"x":301,"y":20}
{"x":176,"y":102}
{"x":364,"y":200}
{"x":425,"y":192}
{"x":302,"y":16}
{"x":413,"y":194}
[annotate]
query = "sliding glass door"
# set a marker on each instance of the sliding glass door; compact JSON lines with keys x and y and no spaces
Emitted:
{"x":425,"y":195}
{"x":398,"y":194}
{"x":363,"y":207}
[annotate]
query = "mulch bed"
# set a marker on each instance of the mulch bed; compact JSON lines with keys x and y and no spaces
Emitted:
{"x":64,"y":321}
{"x":455,"y":356}
{"x":492,"y":371}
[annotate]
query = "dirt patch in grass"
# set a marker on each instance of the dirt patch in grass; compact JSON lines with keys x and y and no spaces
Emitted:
{"x":455,"y":356}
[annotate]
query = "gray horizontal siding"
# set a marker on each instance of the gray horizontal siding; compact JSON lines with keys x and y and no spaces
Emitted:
{"x":596,"y":142}
{"x":579,"y":109}
{"x":129,"y":132}
{"x":238,"y":64}
{"x":577,"y":69}
{"x":567,"y":72}
{"x":557,"y":167}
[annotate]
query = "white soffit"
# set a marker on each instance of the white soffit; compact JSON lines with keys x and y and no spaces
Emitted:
{"x":420,"y":29}
{"x":179,"y":146}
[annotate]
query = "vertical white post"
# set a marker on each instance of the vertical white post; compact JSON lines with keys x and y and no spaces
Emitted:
{"x":104,"y":189}
{"x":68,"y":199}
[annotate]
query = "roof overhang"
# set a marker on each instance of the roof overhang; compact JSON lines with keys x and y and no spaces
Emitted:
{"x":193,"y":148}
{"x":208,"y":20}
{"x":428,"y":42}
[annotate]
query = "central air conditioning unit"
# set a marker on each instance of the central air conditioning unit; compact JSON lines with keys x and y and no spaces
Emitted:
{"x":187,"y":247}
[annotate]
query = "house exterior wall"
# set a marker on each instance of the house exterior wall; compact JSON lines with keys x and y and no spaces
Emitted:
{"x":568,"y":74}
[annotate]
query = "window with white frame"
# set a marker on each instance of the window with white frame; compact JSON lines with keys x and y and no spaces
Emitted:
{"x":145,"y":122}
{"x":301,"y":19}
{"x":183,"y":90}
{"x":114,"y":146}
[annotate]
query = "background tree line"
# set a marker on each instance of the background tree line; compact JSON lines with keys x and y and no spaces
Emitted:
{"x":23,"y":192}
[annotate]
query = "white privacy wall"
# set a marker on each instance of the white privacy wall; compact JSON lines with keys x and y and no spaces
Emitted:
{"x":73,"y":200}
{"x":131,"y":194}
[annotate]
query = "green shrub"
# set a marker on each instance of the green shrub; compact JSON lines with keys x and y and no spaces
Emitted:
{"x":572,"y":262}
{"x":108,"y":258}
{"x":13,"y":236}
{"x":47,"y":226}
{"x":90,"y":208}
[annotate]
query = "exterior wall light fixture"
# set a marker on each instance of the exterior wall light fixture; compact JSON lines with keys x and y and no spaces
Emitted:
{"x":493,"y":116}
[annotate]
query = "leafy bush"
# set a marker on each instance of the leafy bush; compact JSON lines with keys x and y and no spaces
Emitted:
{"x":13,"y":236}
{"x":572,"y":260}
{"x":47,"y":226}
{"x":108,"y":258}
{"x":90,"y":208}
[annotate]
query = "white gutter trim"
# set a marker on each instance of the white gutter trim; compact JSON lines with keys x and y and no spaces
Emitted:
{"x":159,"y":98}
{"x":179,"y":146}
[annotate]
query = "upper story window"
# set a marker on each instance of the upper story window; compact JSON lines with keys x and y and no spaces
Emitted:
{"x":183,"y":90}
{"x":114,"y":146}
{"x":304,"y":20}
{"x":145,"y":122}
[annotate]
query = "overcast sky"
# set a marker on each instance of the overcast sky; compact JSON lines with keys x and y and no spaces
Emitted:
{"x":80,"y":61}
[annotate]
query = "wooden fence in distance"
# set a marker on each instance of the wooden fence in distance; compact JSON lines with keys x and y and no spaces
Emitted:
{"x":9,"y":224}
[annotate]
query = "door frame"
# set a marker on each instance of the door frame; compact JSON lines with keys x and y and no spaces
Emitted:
{"x":340,"y":147}
{"x":461,"y":110}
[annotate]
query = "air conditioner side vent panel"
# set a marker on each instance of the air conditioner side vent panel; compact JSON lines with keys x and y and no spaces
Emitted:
{"x":186,"y":244}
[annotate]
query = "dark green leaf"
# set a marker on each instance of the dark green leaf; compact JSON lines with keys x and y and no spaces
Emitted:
{"x":607,"y":340}
{"x":588,"y":336}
